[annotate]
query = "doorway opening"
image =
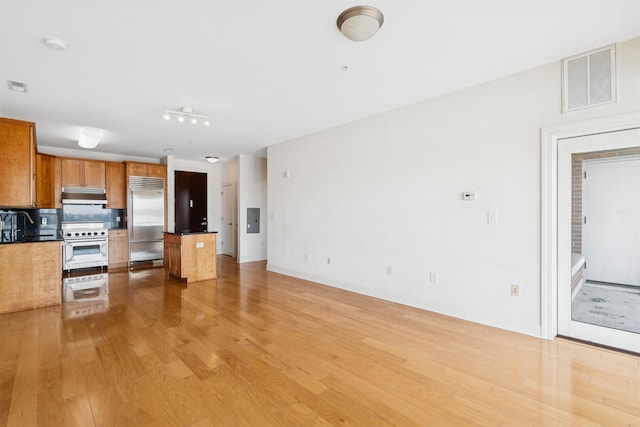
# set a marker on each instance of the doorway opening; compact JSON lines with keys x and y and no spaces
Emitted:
{"x":191,"y":202}
{"x":599,"y":238}
{"x":556,"y":223}
{"x":229,"y":220}
{"x":605,"y":238}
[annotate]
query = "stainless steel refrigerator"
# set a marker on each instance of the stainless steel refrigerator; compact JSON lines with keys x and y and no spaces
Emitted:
{"x":146,"y":219}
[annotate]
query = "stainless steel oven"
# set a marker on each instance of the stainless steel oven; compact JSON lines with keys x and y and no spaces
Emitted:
{"x":85,"y":245}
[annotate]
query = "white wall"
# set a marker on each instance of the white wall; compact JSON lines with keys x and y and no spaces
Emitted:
{"x":214,"y":201}
{"x":386,"y":192}
{"x":252,"y":193}
{"x":230,"y":172}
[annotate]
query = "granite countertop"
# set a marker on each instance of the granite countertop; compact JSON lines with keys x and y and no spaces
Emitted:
{"x":51,"y":237}
{"x":191,"y":232}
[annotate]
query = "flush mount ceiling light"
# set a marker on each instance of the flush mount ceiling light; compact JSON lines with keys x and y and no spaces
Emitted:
{"x":360,"y":23}
{"x":186,"y":113}
{"x":212,"y":159}
{"x":90,"y":137}
{"x":55,"y":43}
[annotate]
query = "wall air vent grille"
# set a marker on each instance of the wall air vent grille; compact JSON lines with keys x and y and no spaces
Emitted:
{"x":17,"y":86}
{"x":145,"y":183}
{"x":589,"y":79}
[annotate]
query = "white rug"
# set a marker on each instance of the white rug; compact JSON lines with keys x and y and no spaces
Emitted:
{"x":607,"y":305}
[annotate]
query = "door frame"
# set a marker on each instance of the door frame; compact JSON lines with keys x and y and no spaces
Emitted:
{"x":232,"y":186}
{"x":549,"y":206}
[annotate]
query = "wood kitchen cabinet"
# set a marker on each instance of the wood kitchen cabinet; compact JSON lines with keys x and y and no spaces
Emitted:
{"x":118,"y":249}
{"x":115,"y":185}
{"x":31,"y":275}
{"x":190,"y":256}
{"x":146,"y":169}
{"x":18,"y":160}
{"x":83,"y":173}
{"x":57,"y":182}
{"x":45,"y":180}
{"x":48,"y":183}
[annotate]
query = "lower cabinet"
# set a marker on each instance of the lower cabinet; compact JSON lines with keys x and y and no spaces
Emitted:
{"x":31,"y":275}
{"x":118,"y":249}
{"x":190,"y":256}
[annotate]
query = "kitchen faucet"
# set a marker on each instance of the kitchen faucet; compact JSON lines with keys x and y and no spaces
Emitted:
{"x":14,"y":217}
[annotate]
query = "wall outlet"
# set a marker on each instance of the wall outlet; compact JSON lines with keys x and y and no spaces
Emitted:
{"x":515,"y":290}
{"x":306,"y":256}
{"x":433,"y":278}
{"x":329,"y":260}
{"x":43,"y":220}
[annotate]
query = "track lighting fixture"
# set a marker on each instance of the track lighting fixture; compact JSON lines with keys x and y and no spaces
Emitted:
{"x":186,"y":113}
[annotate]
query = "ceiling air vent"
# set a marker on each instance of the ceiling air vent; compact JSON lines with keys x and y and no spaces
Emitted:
{"x":17,"y":86}
{"x":589,"y":79}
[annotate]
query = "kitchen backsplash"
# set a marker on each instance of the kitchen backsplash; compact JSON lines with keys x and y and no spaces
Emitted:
{"x":112,"y":218}
{"x":48,"y":221}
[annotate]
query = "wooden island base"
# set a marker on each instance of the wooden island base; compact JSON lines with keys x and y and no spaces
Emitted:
{"x":190,"y":256}
{"x":31,"y":275}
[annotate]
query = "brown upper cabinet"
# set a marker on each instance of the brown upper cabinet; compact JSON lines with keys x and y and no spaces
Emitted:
{"x":18,"y":160}
{"x":47,"y":181}
{"x":146,"y":169}
{"x":116,"y":187}
{"x":83,"y":173}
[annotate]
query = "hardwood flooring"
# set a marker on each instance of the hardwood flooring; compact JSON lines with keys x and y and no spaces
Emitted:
{"x":254,"y":348}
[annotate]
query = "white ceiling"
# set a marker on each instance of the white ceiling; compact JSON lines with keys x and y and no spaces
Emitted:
{"x":267,"y":71}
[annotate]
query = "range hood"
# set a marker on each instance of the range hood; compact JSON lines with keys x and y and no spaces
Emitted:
{"x":84,"y":196}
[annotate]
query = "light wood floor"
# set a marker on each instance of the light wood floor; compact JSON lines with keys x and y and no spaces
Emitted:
{"x":260,"y":349}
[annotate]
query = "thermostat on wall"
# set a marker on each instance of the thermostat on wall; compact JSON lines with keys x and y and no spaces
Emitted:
{"x":470,"y":195}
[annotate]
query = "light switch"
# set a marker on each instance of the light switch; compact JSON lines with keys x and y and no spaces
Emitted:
{"x":492,"y":217}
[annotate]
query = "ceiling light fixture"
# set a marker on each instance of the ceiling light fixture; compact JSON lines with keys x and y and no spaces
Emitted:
{"x":90,"y":137}
{"x":186,"y":112}
{"x":212,"y":159}
{"x":55,"y":43}
{"x":360,"y":23}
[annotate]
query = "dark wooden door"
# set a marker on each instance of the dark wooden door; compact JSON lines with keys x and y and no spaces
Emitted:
{"x":191,"y":201}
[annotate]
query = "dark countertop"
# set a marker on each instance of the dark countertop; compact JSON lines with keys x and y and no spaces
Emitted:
{"x":34,"y":239}
{"x":191,"y":232}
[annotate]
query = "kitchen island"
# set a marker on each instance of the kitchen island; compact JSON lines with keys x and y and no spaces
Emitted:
{"x":31,"y":274}
{"x":191,"y":256}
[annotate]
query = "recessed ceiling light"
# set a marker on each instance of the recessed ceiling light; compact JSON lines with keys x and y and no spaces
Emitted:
{"x":55,"y":43}
{"x":212,"y":159}
{"x":167,"y":150}
{"x":17,"y":86}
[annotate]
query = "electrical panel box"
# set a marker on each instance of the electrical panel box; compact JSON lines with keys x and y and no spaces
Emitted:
{"x":253,"y":220}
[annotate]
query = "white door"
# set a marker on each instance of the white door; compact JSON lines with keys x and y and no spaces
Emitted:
{"x":568,"y":326}
{"x":612,"y":226}
{"x":229,"y":219}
